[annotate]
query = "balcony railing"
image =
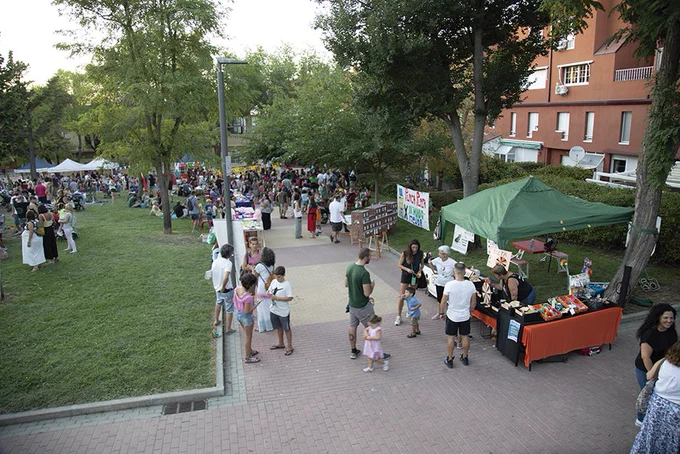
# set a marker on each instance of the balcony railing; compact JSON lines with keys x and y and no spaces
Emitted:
{"x":644,"y":72}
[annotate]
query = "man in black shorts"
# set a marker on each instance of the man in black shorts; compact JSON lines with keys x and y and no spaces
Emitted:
{"x":359,"y":288}
{"x":461,"y":296}
{"x":336,"y":212}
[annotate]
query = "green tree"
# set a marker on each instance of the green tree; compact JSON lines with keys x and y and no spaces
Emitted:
{"x":12,"y":107}
{"x":78,"y":116}
{"x":155,"y":77}
{"x":649,"y":23}
{"x":427,"y":58}
{"x":44,"y":121}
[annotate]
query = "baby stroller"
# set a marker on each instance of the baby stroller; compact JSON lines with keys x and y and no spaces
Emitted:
{"x":78,"y":199}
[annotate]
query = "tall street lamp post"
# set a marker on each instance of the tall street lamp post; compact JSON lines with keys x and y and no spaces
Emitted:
{"x":226,"y":159}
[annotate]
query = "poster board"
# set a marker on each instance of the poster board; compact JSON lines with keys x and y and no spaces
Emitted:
{"x":413,"y":207}
{"x":461,"y":239}
{"x":499,"y":256}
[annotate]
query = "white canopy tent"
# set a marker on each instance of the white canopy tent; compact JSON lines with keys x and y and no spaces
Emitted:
{"x":100,"y":163}
{"x":67,"y":166}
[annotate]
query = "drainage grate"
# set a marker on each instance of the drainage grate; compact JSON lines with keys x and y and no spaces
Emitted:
{"x":184,"y":407}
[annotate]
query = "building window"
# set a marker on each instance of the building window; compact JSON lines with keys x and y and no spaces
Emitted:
{"x":237,"y":126}
{"x":590,"y":125}
{"x":657,"y":58}
{"x":563,"y":124}
{"x":571,"y":41}
{"x":537,"y":79}
{"x":626,"y":118}
{"x":513,"y":124}
{"x":618,"y":165}
{"x":576,"y":74}
{"x":532,"y":124}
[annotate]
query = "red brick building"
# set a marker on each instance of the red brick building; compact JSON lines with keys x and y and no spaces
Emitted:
{"x":587,"y":93}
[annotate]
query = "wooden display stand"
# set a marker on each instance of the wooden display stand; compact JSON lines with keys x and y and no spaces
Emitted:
{"x":378,"y":243}
{"x":371,"y":225}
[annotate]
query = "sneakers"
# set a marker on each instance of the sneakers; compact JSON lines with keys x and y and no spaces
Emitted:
{"x":386,"y":356}
{"x":638,"y":423}
{"x":368,"y":369}
{"x":397,"y":321}
{"x":465,"y":360}
{"x":354,"y":354}
{"x":448,"y":362}
{"x":386,"y":365}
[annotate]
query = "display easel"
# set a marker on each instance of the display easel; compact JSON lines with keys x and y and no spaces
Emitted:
{"x":378,"y":243}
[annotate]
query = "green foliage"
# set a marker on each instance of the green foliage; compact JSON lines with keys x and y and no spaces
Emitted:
{"x":12,"y":108}
{"x":440,"y":199}
{"x":553,"y":173}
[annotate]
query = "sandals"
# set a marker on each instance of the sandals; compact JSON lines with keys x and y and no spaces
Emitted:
{"x":276,"y":347}
{"x":411,"y":335}
{"x":251,"y":360}
{"x":289,"y":352}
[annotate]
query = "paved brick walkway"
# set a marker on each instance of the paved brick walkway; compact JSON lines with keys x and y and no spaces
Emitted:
{"x":318,"y":400}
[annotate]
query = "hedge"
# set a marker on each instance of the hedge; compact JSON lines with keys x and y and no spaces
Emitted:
{"x":613,"y":236}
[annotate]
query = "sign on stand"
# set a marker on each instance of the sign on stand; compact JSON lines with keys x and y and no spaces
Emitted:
{"x":499,"y":256}
{"x":461,"y":239}
{"x":413,"y":207}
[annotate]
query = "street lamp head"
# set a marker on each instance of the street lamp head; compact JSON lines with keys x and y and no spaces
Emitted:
{"x":230,"y":61}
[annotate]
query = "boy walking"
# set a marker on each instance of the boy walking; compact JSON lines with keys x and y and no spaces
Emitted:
{"x":224,"y":291}
{"x":413,"y":307}
{"x":281,"y":295}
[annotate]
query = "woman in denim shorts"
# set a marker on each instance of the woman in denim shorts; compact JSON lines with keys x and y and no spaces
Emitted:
{"x":244,"y":304}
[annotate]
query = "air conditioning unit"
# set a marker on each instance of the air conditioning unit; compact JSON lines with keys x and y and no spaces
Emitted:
{"x":562,"y":44}
{"x":561,"y":90}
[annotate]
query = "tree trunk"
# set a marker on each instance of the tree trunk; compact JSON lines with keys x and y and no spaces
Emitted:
{"x":376,"y":193}
{"x":162,"y":179}
{"x":31,"y":144}
{"x":656,"y":159}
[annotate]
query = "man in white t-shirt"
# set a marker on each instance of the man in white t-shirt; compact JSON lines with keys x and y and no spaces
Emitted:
{"x":337,"y":212}
{"x":461,"y":296}
{"x":224,"y":291}
{"x":281,"y":295}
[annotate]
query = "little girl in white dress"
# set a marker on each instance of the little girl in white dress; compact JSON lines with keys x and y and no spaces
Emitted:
{"x":372,"y":346}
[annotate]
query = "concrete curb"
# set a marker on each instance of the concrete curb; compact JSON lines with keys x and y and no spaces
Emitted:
{"x":127,"y":403}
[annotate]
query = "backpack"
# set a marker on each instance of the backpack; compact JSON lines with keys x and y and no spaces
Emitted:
{"x":190,"y":204}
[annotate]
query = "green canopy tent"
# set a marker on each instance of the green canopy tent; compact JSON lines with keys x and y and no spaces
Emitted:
{"x":527,"y":207}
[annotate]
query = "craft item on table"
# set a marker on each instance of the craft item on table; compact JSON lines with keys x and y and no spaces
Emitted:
{"x":570,"y":302}
{"x":547,"y":311}
{"x":578,"y":283}
{"x":486,"y":292}
{"x":587,"y":264}
{"x":243,"y":213}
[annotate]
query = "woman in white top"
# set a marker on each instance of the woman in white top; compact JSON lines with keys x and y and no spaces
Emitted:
{"x":66,"y":222}
{"x":443,"y":269}
{"x":263,"y":271}
{"x":660,"y":430}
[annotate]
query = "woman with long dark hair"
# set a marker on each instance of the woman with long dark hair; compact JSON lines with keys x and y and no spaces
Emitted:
{"x":263,"y":271}
{"x":411,"y":266}
{"x":49,"y":238}
{"x":656,"y":334}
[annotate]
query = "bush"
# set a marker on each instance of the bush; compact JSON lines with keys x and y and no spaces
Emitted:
{"x":442,"y":198}
{"x":555,"y":172}
{"x":494,"y":169}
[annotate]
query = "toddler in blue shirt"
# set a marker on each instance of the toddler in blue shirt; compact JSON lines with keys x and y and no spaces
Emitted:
{"x":413,"y":306}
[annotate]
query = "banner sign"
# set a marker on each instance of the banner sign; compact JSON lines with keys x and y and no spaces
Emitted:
{"x":461,"y":238}
{"x":413,"y":207}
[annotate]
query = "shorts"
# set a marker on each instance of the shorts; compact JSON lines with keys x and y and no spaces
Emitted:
{"x":453,"y":328}
{"x":360,"y":315}
{"x":415,"y":319}
{"x":336,"y":226}
{"x":245,"y":319}
{"x":280,"y":322}
{"x":194,"y":216}
{"x":225,"y":299}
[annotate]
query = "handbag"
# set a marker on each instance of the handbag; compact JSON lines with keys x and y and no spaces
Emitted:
{"x":642,"y":400}
{"x":422,"y":281}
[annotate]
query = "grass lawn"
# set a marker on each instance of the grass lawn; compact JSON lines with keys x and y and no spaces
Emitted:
{"x":128,"y":315}
{"x":605,"y":264}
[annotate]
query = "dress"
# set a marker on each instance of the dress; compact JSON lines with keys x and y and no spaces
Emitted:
{"x":264,"y":322}
{"x":50,"y":242}
{"x":311,"y":219}
{"x":373,"y":348}
{"x":659,"y":432}
{"x":34,"y":255}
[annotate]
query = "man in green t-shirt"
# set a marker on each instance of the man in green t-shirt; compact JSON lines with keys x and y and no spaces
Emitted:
{"x":359,"y":287}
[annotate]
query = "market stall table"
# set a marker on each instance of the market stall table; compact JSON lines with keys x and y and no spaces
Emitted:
{"x":562,"y":336}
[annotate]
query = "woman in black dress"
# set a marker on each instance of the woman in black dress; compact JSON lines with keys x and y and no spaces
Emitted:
{"x":411,"y":266}
{"x":49,"y":239}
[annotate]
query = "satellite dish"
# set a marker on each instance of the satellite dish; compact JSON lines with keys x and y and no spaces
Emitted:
{"x":577,"y":153}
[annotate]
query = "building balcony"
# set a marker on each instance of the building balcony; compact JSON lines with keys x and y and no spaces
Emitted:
{"x":644,"y":72}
